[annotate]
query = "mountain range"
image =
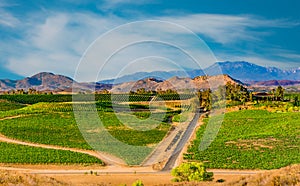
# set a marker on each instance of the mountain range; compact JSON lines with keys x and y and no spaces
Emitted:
{"x":241,"y":70}
{"x":237,"y":72}
{"x":46,"y":81}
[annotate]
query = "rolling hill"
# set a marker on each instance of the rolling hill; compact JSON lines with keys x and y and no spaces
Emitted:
{"x":175,"y":83}
{"x":48,"y":81}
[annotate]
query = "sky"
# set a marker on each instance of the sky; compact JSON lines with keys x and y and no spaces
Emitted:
{"x":93,"y":40}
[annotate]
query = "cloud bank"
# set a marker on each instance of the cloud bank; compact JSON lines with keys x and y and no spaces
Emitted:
{"x":58,"y":40}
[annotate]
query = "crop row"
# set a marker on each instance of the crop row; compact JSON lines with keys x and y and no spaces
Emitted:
{"x":36,"y":98}
{"x":13,"y":153}
{"x":250,"y":139}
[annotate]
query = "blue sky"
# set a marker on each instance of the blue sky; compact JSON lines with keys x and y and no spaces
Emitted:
{"x":53,"y":35}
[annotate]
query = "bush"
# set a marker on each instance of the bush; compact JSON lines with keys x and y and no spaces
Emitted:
{"x":191,"y":171}
{"x":138,"y":183}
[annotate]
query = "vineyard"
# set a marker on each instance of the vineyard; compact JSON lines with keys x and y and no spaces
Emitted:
{"x":37,"y":98}
{"x":251,"y":139}
{"x":12,"y":153}
{"x":54,"y":123}
{"x":51,"y":128}
{"x":8,"y":105}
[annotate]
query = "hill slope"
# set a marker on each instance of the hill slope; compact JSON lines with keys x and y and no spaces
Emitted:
{"x":175,"y":83}
{"x":49,"y":81}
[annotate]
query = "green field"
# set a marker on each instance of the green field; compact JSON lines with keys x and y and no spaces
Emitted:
{"x":51,"y":128}
{"x":54,"y":123}
{"x":251,"y":139}
{"x":6,"y":105}
{"x":13,"y":153}
{"x":61,"y":129}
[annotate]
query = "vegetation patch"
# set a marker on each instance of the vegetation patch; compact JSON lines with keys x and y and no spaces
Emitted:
{"x":251,"y":139}
{"x":8,"y":105}
{"x":191,"y":171}
{"x":14,"y":153}
{"x":9,"y":178}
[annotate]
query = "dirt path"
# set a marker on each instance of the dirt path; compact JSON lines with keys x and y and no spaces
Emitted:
{"x":77,"y":175}
{"x":85,"y":176}
{"x":106,"y":158}
{"x":12,"y":117}
{"x":79,"y":169}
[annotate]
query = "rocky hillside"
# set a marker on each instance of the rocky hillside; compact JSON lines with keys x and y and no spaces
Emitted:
{"x":175,"y":83}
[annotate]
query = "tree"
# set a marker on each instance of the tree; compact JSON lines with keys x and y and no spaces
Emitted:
{"x":205,"y":99}
{"x":191,"y":171}
{"x":296,"y":101}
{"x":279,"y":94}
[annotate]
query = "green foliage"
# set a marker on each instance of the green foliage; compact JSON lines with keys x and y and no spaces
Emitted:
{"x":138,"y":183}
{"x":13,"y":153}
{"x":47,"y":128}
{"x":205,"y":98}
{"x":54,"y":123}
{"x":251,"y":139}
{"x":279,"y":93}
{"x":191,"y":171}
{"x":8,"y":105}
{"x":36,"y":98}
{"x":50,"y":128}
{"x":237,"y":92}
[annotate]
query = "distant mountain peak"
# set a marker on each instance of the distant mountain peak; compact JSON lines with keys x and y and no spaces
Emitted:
{"x":41,"y":74}
{"x":239,"y":71}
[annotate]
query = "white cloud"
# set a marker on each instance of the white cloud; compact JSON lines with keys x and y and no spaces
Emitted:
{"x":111,"y":4}
{"x":57,"y":43}
{"x":7,"y":19}
{"x":228,"y":28}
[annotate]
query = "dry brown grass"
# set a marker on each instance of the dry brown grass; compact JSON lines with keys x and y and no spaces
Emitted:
{"x":283,"y":177}
{"x":13,"y":178}
{"x":256,"y":144}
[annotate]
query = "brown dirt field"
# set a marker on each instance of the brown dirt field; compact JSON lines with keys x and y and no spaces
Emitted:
{"x":128,"y":179}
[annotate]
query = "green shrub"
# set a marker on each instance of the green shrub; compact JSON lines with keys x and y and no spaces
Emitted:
{"x":191,"y":171}
{"x":138,"y":183}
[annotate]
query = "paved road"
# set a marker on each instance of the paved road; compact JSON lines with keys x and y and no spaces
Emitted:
{"x":183,"y":140}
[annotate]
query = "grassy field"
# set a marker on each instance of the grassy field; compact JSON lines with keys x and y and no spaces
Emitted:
{"x":248,"y":139}
{"x":60,"y":128}
{"x":54,"y":123}
{"x":251,"y":139}
{"x":6,"y":105}
{"x":51,"y":128}
{"x":13,"y":153}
